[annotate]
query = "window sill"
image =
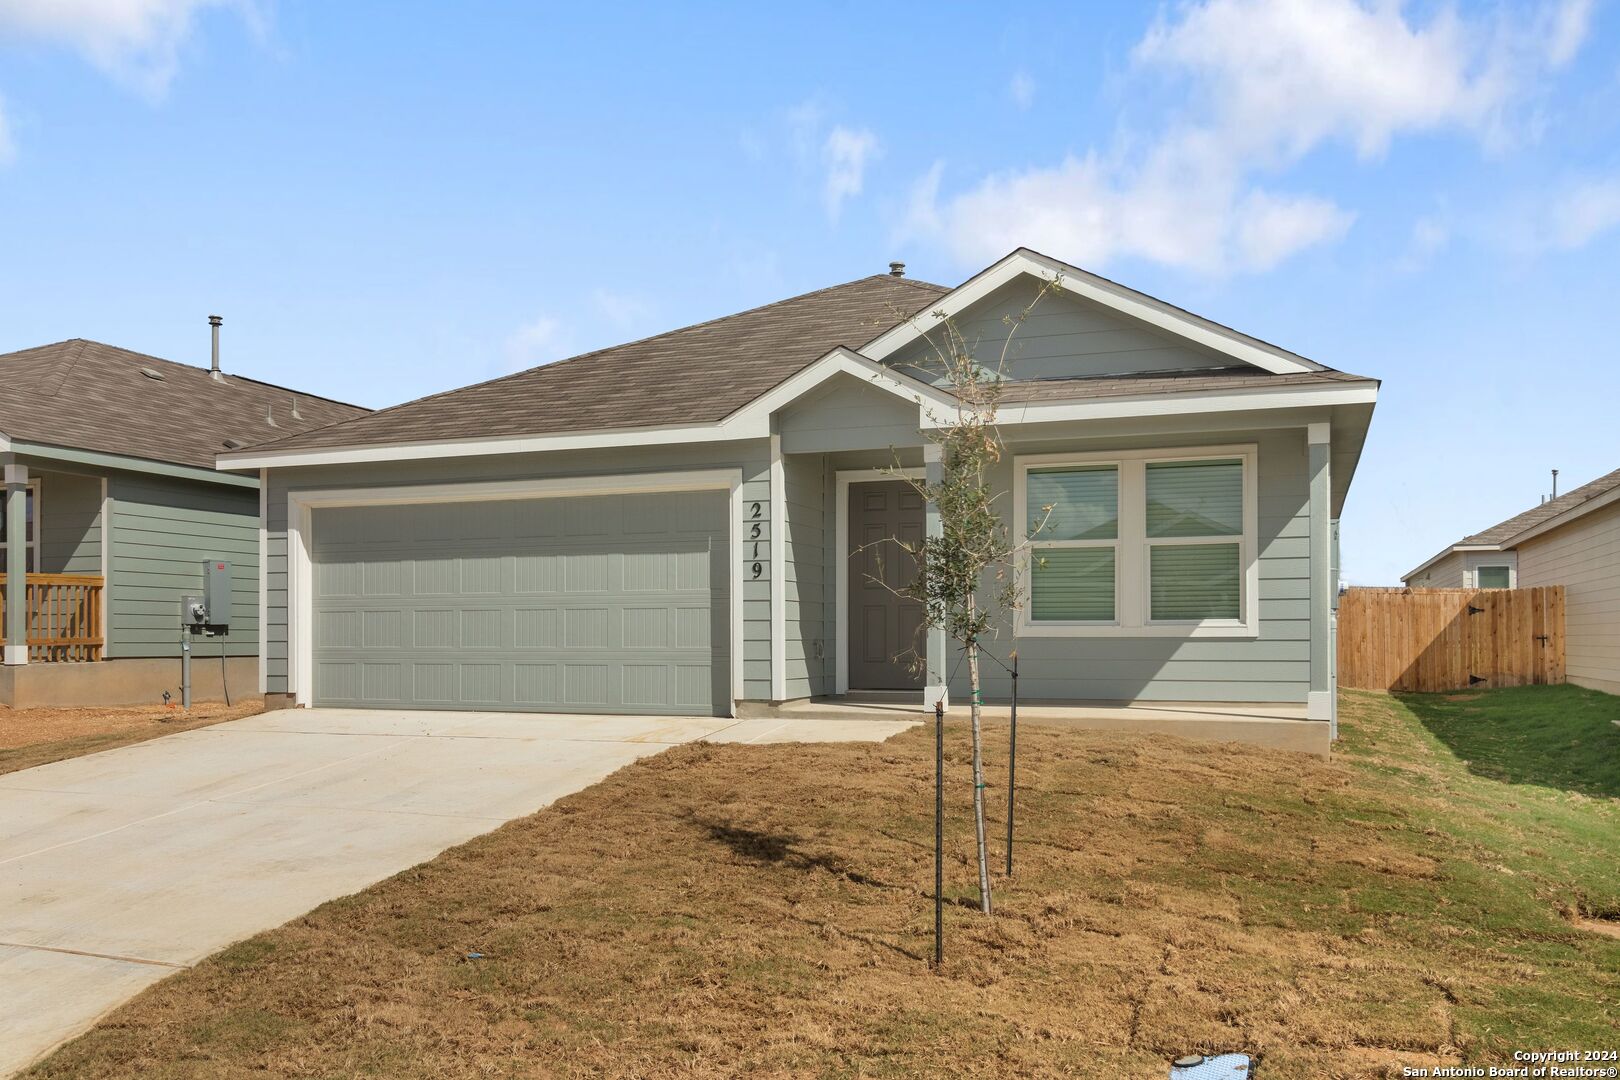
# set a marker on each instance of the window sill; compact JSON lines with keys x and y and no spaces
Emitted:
{"x":1229,"y":631}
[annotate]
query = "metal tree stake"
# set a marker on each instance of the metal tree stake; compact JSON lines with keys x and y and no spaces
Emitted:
{"x":1012,"y":761}
{"x":939,"y":834}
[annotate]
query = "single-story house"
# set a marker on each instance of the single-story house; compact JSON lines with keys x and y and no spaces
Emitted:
{"x":1572,"y":540}
{"x":684,"y":524}
{"x":112,"y":504}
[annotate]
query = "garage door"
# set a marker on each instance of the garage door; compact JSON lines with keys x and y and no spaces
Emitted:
{"x":599,"y":604}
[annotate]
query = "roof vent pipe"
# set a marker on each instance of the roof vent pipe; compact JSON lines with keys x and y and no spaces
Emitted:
{"x":213,"y":368}
{"x":897,"y":269}
{"x":1555,"y":483}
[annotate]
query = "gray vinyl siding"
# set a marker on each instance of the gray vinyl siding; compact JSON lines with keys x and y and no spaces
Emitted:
{"x":1276,"y":667}
{"x":1446,"y":573}
{"x":70,"y":513}
{"x":752,"y":457}
{"x":161,"y":532}
{"x":807,"y":539}
{"x":1584,"y":557}
{"x":1065,"y":336}
{"x":848,"y":414}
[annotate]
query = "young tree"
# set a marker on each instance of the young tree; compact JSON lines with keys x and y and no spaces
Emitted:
{"x":967,"y":575}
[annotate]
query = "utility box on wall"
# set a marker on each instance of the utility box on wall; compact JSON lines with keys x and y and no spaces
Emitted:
{"x":217,"y":594}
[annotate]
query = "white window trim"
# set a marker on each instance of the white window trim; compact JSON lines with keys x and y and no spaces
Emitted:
{"x":1512,"y":576}
{"x":1131,"y":561}
{"x":302,"y":504}
{"x":842,"y":479}
{"x":39,"y":530}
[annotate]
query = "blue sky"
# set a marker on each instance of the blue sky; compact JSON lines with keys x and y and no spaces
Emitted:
{"x":386,"y":200}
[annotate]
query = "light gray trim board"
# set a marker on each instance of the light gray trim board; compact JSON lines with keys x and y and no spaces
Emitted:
{"x":134,"y":464}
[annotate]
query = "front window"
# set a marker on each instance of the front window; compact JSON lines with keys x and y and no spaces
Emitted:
{"x":1074,"y":534}
{"x":1194,"y":533}
{"x":1150,"y":542}
{"x":31,"y":530}
{"x":1492,"y":577}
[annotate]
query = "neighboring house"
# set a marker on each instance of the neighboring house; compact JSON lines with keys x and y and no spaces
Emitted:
{"x":686,"y":524}
{"x":1573,"y":541}
{"x":111,"y":506}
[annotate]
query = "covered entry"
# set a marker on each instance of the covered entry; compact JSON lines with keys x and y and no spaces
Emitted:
{"x":604,"y":603}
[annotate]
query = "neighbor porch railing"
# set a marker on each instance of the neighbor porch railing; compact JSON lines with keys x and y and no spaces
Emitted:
{"x":64,"y":616}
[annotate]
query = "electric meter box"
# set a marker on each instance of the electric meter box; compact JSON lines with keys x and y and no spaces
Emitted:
{"x":217,"y":594}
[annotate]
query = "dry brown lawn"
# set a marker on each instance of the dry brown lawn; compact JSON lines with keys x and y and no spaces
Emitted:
{"x":30,"y":737}
{"x":764,"y":911}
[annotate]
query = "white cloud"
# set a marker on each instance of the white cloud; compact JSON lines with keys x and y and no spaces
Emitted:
{"x":1270,"y":228}
{"x":845,"y":154}
{"x":1430,"y":237}
{"x":538,"y":342}
{"x":621,"y":310}
{"x":1566,"y":29}
{"x":1582,"y":212}
{"x":1022,"y":89}
{"x":1256,"y":85}
{"x":137,"y":42}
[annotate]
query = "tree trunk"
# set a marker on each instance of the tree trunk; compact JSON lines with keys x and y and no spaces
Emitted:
{"x":978,"y":776}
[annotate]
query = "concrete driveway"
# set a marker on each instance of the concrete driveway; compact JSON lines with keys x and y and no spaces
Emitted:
{"x":120,"y":868}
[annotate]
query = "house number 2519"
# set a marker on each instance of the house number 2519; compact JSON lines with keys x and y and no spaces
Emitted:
{"x":756,"y":547}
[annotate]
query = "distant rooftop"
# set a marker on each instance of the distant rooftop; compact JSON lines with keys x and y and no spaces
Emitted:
{"x":84,"y":395}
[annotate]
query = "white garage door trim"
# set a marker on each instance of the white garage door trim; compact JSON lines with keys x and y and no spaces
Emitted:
{"x":302,"y":504}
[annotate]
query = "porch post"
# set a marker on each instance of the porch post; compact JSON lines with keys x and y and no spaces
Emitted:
{"x":16,"y":565}
{"x":934,"y":688}
{"x":1319,"y":703}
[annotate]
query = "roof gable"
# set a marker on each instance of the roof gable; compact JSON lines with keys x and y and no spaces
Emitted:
{"x":1140,"y":307}
{"x":1022,"y":335}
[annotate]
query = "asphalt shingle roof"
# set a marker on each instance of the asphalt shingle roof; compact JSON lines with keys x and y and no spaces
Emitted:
{"x":1513,"y":526}
{"x":698,"y":374}
{"x":84,"y":395}
{"x":702,"y":374}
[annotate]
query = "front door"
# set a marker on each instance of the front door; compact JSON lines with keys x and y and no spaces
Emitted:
{"x":885,"y":628}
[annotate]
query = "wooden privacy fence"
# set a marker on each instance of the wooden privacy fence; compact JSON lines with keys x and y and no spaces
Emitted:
{"x":1450,"y":639}
{"x":64,"y":616}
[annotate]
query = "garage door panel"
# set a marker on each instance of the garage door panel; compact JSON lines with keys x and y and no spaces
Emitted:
{"x":578,"y":604}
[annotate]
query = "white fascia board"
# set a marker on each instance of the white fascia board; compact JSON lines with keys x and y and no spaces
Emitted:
{"x":1573,"y":513}
{"x":514,"y":444}
{"x":752,"y":421}
{"x":841,"y":361}
{"x":1077,"y":281}
{"x":1453,"y":549}
{"x":1214,"y":401}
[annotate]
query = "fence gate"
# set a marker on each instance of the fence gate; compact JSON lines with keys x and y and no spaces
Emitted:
{"x":1450,"y":639}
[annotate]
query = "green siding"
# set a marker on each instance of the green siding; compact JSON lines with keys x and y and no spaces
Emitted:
{"x":162,"y":530}
{"x":808,"y":536}
{"x":70,"y":511}
{"x":1064,"y":337}
{"x":1276,"y":667}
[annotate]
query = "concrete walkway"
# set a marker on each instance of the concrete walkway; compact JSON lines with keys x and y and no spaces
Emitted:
{"x":120,"y":868}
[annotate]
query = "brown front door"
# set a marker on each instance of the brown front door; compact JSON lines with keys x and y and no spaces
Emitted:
{"x":884,"y":627}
